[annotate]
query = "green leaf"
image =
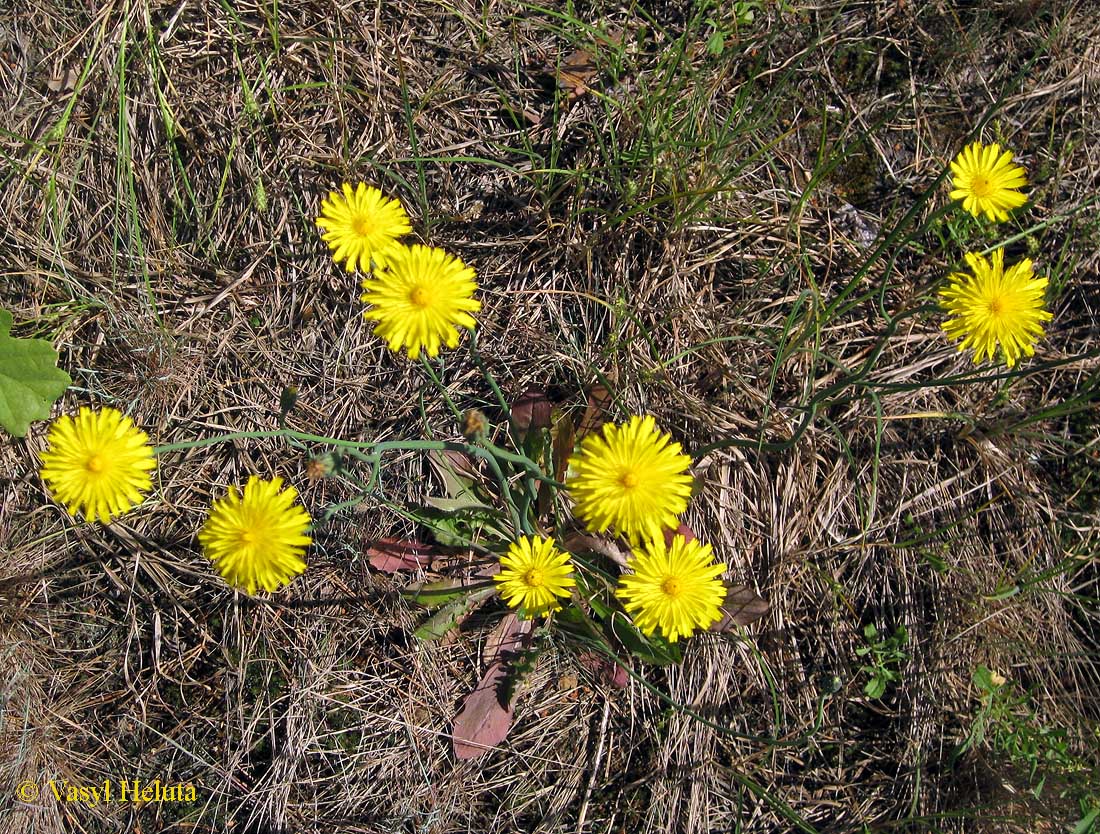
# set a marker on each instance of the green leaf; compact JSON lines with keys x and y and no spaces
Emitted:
{"x":449,"y":615}
{"x":30,"y":381}
{"x":653,"y":649}
{"x":435,"y":594}
{"x":716,"y":42}
{"x":460,"y":527}
{"x":875,"y":687}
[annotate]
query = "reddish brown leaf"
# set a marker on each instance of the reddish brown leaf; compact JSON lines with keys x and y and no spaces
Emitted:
{"x":742,"y":607}
{"x":595,"y":413}
{"x":484,"y":722}
{"x":531,"y":411}
{"x":392,"y":555}
{"x":576,"y":70}
{"x":509,"y":636}
{"x":682,"y":530}
{"x":604,"y":669}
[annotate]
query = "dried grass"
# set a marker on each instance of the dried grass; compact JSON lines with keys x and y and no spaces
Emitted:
{"x":196,"y":300}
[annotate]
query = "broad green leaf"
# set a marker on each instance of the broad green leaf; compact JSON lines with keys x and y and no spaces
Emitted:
{"x":459,"y":527}
{"x":30,"y":381}
{"x":449,"y":615}
{"x":458,"y":474}
{"x":653,"y":649}
{"x":874,"y":688}
{"x":435,"y":594}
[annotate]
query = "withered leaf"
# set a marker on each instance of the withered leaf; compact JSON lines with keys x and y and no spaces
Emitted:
{"x":595,"y":413}
{"x":564,"y":441}
{"x":681,"y":530}
{"x":486,"y":716}
{"x":393,"y":555}
{"x":531,"y":411}
{"x":575,"y":72}
{"x":604,"y":669}
{"x":742,"y":607}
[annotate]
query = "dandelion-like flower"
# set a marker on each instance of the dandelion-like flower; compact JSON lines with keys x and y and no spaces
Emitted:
{"x":257,"y":539}
{"x":533,"y":575}
{"x":673,"y":588}
{"x":986,"y":180}
{"x":362,"y":226}
{"x":632,"y":478}
{"x":995,"y":306}
{"x":97,"y":463}
{"x":420,"y":299}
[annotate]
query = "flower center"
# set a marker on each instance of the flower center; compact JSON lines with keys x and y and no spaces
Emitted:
{"x":362,"y":226}
{"x":672,"y":586}
{"x":534,"y":578}
{"x":95,"y":463}
{"x":249,"y":537}
{"x":996,"y":306}
{"x":420,"y":297}
{"x":980,"y":186}
{"x":629,"y":480}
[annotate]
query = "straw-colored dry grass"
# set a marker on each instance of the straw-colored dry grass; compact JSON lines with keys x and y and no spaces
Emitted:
{"x":681,"y":229}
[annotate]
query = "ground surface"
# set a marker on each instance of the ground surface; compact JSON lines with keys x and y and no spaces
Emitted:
{"x":727,"y":235}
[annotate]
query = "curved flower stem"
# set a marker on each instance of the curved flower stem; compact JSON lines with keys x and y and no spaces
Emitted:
{"x":442,"y":388}
{"x":371,"y":453}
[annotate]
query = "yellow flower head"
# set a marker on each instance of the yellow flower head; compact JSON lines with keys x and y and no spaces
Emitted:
{"x":995,"y":307}
{"x":98,"y":463}
{"x":533,"y":574}
{"x":258,"y":539}
{"x":673,"y":588}
{"x":632,"y":478}
{"x":362,"y":226}
{"x":420,"y":299}
{"x":986,"y":181}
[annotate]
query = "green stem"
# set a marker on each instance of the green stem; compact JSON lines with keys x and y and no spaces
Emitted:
{"x":442,"y":388}
{"x":372,"y":452}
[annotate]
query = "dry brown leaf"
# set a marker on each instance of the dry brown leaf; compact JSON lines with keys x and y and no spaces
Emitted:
{"x":62,"y":80}
{"x":575,"y":71}
{"x":604,"y":669}
{"x":531,"y":411}
{"x":681,"y":530}
{"x":742,"y":607}
{"x":393,"y":555}
{"x":595,"y":413}
{"x":484,"y":722}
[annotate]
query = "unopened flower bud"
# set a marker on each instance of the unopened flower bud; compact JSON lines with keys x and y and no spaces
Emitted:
{"x":474,"y":424}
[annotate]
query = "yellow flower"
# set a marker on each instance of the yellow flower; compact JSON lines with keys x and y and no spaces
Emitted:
{"x":986,"y":181}
{"x":675,"y":589}
{"x":534,"y":573}
{"x":98,"y":463}
{"x":257,"y":539}
{"x":362,"y":226}
{"x":420,"y":299}
{"x":995,"y":307}
{"x":632,"y":478}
